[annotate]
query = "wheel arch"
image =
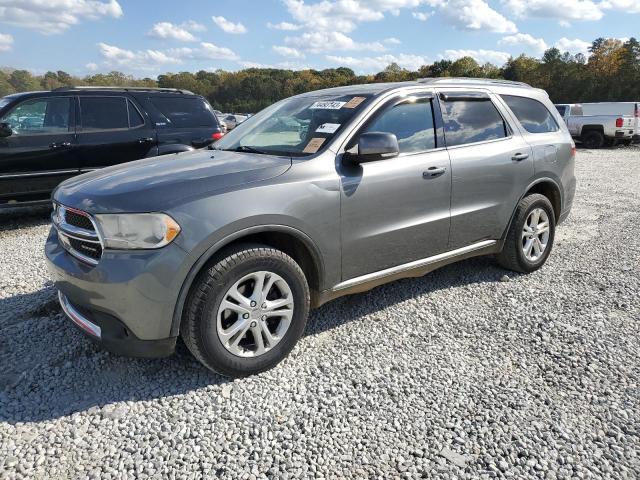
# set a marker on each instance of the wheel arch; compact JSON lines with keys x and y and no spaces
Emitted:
{"x":290,"y":240}
{"x":545,"y":186}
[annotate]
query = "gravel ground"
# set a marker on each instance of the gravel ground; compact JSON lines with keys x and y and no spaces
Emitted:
{"x":464,"y":373}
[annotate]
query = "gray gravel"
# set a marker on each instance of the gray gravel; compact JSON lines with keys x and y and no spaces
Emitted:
{"x":468,"y":372}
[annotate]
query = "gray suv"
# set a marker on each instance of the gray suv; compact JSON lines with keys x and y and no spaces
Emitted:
{"x":320,"y":195}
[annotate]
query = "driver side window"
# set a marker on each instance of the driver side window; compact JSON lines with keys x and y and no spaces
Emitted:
{"x":40,"y":116}
{"x":412,"y":124}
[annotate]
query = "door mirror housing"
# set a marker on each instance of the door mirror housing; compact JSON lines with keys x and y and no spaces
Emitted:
{"x":374,"y":146}
{"x":5,"y":130}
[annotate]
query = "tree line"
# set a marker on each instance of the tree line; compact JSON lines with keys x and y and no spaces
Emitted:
{"x":610,"y":73}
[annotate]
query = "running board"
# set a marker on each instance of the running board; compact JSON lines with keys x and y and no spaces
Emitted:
{"x":416,"y":268}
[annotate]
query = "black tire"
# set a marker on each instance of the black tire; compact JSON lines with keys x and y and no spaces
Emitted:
{"x":512,"y":256}
{"x":593,"y":139}
{"x":199,"y":329}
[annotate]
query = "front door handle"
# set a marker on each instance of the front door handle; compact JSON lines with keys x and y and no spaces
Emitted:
{"x":56,"y":145}
{"x":433,"y":172}
{"x":518,"y":157}
{"x":145,"y":140}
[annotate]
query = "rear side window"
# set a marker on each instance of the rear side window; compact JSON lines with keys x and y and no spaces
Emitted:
{"x":470,"y":121}
{"x":135,"y":119}
{"x":103,"y":113}
{"x":411,"y":123}
{"x":184,"y":112}
{"x":532,"y":115}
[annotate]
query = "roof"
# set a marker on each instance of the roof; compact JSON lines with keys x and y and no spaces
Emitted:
{"x":377,"y":88}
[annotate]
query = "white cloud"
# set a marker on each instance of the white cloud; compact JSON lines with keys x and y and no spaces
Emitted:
{"x":573,"y":46}
{"x":476,"y":15}
{"x":422,"y":16}
{"x":6,"y":41}
{"x":206,"y":51}
{"x":392,"y":41}
{"x":152,"y":59}
{"x":181,"y":33}
{"x":228,"y":26}
{"x":92,"y":67}
{"x":287,"y":51}
{"x":318,"y":42}
{"x":375,"y":64}
{"x":627,"y":6}
{"x":344,"y":15}
{"x":193,"y":26}
{"x":558,"y":9}
{"x":55,"y":16}
{"x":538,"y":45}
{"x":481,"y":56}
{"x":141,"y":59}
{"x":284,"y":26}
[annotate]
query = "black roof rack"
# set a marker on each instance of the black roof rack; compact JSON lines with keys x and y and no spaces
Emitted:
{"x":126,"y":89}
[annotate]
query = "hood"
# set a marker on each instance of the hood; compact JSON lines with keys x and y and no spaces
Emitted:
{"x":159,"y":183}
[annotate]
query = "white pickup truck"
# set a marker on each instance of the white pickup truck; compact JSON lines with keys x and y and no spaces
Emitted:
{"x":595,"y":131}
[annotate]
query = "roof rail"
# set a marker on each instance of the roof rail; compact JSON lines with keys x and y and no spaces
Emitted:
{"x":479,"y":81}
{"x":132,"y":89}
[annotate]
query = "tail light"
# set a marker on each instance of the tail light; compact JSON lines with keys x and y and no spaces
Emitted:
{"x":217,"y":135}
{"x":619,"y":122}
{"x":573,"y":148}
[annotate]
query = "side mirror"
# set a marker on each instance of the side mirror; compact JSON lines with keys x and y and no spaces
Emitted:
{"x":374,"y":146}
{"x":5,"y":130}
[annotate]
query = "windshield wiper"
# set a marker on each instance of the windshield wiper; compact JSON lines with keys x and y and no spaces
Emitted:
{"x":245,"y":149}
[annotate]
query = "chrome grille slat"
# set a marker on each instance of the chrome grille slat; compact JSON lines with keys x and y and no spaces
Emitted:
{"x":78,"y":234}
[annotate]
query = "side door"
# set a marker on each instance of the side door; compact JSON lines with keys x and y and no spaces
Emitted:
{"x":39,"y":153}
{"x":396,"y":210}
{"x":490,"y":163}
{"x":112,"y":130}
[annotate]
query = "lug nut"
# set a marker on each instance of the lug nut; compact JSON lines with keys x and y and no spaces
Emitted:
{"x":253,"y":304}
{"x":264,"y":317}
{"x":246,"y":315}
{"x":264,"y":305}
{"x":254,"y":324}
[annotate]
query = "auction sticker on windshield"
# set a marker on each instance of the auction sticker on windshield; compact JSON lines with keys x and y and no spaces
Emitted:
{"x":354,"y":102}
{"x":314,"y":145}
{"x":328,"y":128}
{"x":328,"y":105}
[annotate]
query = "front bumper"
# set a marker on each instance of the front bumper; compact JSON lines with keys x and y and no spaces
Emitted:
{"x":127,"y":301}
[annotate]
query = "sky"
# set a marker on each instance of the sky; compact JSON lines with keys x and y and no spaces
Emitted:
{"x":150,"y":37}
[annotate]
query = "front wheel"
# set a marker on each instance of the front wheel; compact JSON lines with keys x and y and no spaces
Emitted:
{"x":530,"y":237}
{"x":247,"y":311}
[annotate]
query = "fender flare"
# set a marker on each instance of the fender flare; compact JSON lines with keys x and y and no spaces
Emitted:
{"x":217,"y":246}
{"x":529,"y":187}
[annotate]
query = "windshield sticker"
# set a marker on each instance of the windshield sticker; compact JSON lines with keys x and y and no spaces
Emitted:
{"x":328,"y":128}
{"x":327,"y":105}
{"x":354,"y":102}
{"x":314,"y":145}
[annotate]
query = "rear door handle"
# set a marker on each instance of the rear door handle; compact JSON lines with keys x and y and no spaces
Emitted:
{"x":518,"y":157}
{"x":433,"y":172}
{"x":145,"y":140}
{"x":56,"y":145}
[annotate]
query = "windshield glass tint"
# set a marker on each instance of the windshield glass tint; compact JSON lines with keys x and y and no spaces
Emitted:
{"x":297,"y":126}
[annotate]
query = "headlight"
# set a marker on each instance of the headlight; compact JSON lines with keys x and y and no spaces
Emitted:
{"x":137,"y":230}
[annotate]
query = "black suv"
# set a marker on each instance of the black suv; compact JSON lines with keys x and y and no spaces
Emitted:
{"x":47,"y":137}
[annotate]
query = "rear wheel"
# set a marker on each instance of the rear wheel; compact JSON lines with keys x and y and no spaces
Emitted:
{"x":246,"y":312}
{"x":530,"y":237}
{"x":593,"y":139}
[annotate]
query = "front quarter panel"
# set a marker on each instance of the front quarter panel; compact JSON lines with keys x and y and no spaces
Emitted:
{"x":305,"y":199}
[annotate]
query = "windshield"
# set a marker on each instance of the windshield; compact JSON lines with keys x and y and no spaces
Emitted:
{"x":4,"y":101}
{"x":297,"y":127}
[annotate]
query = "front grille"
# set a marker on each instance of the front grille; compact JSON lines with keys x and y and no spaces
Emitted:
{"x":77,"y":234}
{"x":88,"y":249}
{"x":77,"y":220}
